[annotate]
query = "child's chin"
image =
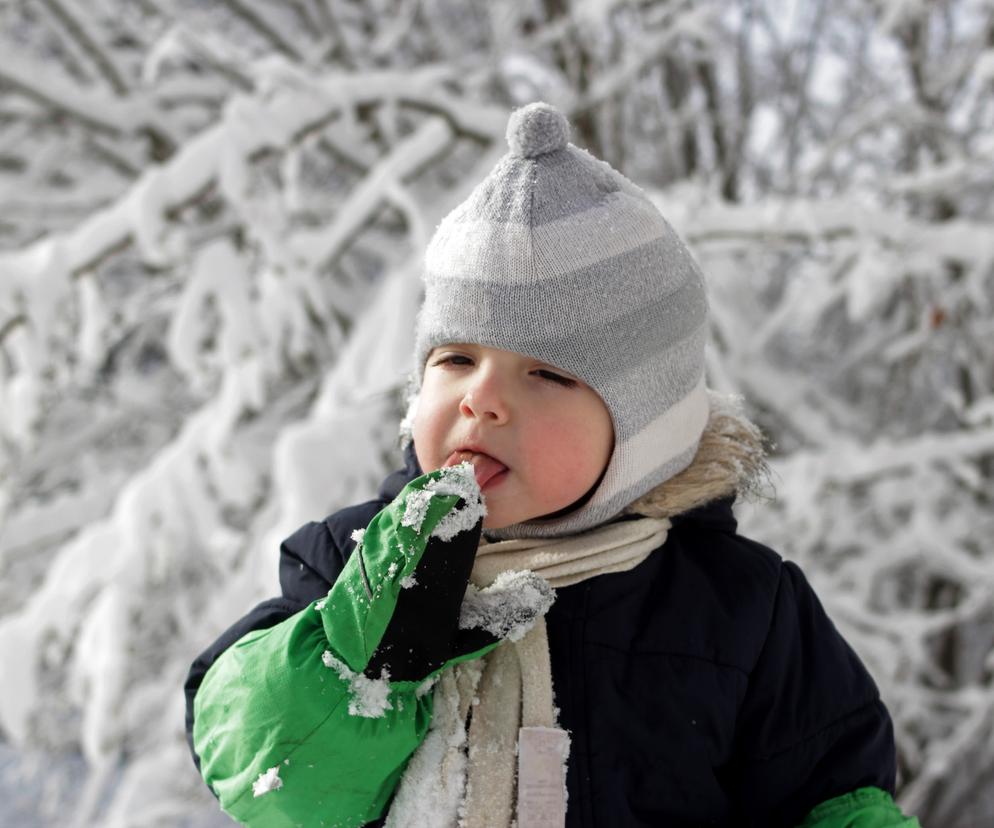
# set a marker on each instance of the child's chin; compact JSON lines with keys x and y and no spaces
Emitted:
{"x":496,"y":520}
{"x":500,"y":524}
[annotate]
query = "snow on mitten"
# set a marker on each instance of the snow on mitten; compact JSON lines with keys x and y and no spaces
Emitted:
{"x":425,"y":541}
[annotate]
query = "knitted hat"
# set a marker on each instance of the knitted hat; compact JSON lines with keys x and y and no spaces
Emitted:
{"x":557,"y":256}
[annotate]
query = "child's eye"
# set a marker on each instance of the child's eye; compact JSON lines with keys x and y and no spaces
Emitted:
{"x":556,"y":378}
{"x":452,"y":359}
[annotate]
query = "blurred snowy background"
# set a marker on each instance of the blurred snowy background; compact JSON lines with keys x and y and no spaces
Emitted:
{"x":211,"y":219}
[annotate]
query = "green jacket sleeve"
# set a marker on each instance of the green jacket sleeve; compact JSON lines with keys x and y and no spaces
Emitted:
{"x":863,"y":808}
{"x":290,"y":727}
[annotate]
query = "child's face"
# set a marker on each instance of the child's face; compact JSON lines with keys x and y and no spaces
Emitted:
{"x":537,"y":437}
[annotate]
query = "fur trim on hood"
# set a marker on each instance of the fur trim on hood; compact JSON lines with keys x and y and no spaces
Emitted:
{"x":731,"y":459}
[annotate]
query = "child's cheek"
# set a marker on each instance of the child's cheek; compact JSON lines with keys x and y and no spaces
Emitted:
{"x":581,"y":449}
{"x":426,"y":438}
{"x":557,"y":447}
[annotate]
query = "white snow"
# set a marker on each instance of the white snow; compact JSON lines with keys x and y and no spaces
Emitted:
{"x":458,"y":480}
{"x":509,"y":606}
{"x":416,"y":509}
{"x":267,"y":782}
{"x":368,"y":698}
{"x":431,"y":790}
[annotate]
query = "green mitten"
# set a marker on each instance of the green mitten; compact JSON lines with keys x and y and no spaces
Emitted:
{"x":312,"y":721}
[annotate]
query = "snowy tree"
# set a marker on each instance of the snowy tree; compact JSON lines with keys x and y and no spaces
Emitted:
{"x":213,"y":220}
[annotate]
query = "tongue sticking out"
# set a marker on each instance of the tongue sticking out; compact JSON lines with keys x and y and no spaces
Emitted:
{"x":484,"y":466}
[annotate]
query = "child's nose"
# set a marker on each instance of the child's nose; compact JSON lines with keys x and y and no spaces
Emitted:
{"x":486,"y":398}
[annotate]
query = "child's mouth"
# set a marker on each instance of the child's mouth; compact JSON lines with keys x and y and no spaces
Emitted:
{"x":486,"y":469}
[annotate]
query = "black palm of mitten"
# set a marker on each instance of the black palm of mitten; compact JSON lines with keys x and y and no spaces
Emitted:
{"x":439,"y":618}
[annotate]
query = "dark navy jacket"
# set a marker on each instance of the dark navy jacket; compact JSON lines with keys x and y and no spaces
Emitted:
{"x":704,"y":687}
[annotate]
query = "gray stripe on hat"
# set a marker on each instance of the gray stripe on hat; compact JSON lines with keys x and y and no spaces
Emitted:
{"x":568,"y":184}
{"x":559,"y":185}
{"x":500,"y":197}
{"x":569,"y":179}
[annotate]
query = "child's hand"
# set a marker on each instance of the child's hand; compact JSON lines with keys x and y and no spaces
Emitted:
{"x":404,"y":586}
{"x":440,"y":515}
{"x":320,"y":712}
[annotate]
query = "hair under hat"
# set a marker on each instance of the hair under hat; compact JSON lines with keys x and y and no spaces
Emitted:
{"x":558,"y":256}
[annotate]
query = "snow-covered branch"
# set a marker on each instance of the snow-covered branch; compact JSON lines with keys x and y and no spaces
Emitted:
{"x":77,"y":25}
{"x":213,"y":215}
{"x":91,"y":110}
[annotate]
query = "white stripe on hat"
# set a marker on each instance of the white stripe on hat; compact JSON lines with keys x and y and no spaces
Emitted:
{"x":671,"y":434}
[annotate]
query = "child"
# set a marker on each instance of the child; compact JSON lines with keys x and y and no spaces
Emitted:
{"x":421,"y":671}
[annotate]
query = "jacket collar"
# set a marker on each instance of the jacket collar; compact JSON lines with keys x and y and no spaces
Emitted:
{"x":716,"y":515}
{"x":396,"y":481}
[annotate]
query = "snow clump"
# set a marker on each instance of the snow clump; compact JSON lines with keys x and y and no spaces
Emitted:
{"x":460,"y":481}
{"x":268,"y":781}
{"x":416,"y":509}
{"x":369,"y":698}
{"x":509,"y":606}
{"x":454,"y":480}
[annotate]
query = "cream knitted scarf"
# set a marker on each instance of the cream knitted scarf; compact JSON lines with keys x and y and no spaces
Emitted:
{"x":468,"y":778}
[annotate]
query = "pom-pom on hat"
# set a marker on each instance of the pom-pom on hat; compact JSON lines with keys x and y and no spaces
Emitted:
{"x":536,"y":130}
{"x":558,"y":256}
